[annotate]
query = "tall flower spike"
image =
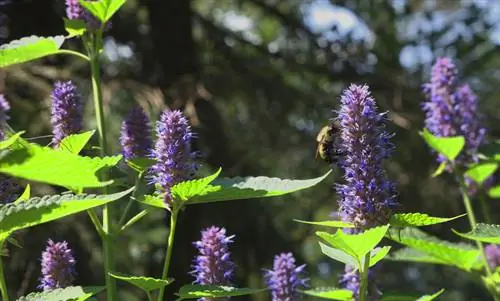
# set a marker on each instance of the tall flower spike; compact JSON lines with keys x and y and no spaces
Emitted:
{"x":367,"y":198}
{"x":213,"y":265}
{"x":67,"y":111}
{"x":493,"y":255}
{"x":174,"y":158}
{"x":135,"y":137}
{"x":451,"y":110}
{"x":350,"y":280}
{"x":285,"y":278}
{"x":58,"y":266}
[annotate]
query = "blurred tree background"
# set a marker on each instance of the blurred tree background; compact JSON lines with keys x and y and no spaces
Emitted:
{"x":258,"y":79}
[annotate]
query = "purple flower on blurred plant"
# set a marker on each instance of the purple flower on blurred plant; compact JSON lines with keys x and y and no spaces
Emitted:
{"x":75,"y":11}
{"x":350,"y":280}
{"x":213,"y":265}
{"x":285,"y":278}
{"x":135,"y":137}
{"x":174,"y":158}
{"x":367,"y":198}
{"x":452,"y":110}
{"x":67,"y":111}
{"x":493,"y":255}
{"x":58,"y":266}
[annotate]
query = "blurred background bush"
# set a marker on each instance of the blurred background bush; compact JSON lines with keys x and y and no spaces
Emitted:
{"x":258,"y":79}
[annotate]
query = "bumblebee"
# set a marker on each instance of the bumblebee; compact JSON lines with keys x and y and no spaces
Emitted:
{"x":326,"y":140}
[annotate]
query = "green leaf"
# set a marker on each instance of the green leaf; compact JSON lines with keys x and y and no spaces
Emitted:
{"x":140,"y":164}
{"x":431,"y":297}
{"x":145,"y":283}
{"x":356,"y":245}
{"x":154,"y":201}
{"x":441,"y":168}
{"x":102,"y":9}
{"x":330,"y":293}
{"x":449,"y":147}
{"x":494,"y":192}
{"x":194,"y":291}
{"x":412,"y":255}
{"x":460,"y":255}
{"x":225,"y":189}
{"x":72,"y":293}
{"x":480,"y":172}
{"x":11,"y":140}
{"x":37,"y":210}
{"x":331,"y":224}
{"x":418,"y":219}
{"x":186,"y":190}
{"x":483,"y":232}
{"x":75,"y":27}
{"x":76,"y":142}
{"x":47,"y":165}
{"x":338,"y":255}
{"x":377,"y":254}
{"x":29,"y":48}
{"x":25,"y":196}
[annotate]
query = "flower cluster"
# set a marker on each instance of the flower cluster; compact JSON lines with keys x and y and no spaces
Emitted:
{"x":74,"y":11}
{"x":493,"y":255}
{"x":452,"y":110}
{"x":67,"y":111}
{"x":58,"y":266}
{"x":367,"y":198}
{"x":135,"y":137}
{"x":174,"y":158}
{"x":213,"y":265}
{"x":285,"y":278}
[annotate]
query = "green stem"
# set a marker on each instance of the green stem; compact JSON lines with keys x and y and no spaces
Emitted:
{"x":107,"y":240}
{"x":363,"y":292}
{"x":168,"y":256}
{"x":3,"y":285}
{"x":486,"y":210}
{"x":75,"y":53}
{"x":130,"y":201}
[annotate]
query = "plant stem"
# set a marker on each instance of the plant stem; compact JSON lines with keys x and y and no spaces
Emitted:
{"x":486,"y":211}
{"x":3,"y":285}
{"x":107,"y":240}
{"x":75,"y":53}
{"x":168,"y":256}
{"x":363,"y":291}
{"x":131,"y":201}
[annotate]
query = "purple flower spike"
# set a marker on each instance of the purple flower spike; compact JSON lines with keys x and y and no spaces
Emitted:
{"x":367,"y":198}
{"x":67,"y":111}
{"x":213,"y":265}
{"x":135,"y":135}
{"x":493,"y":255}
{"x":4,"y":108}
{"x":351,"y":280}
{"x":285,"y":278}
{"x":73,"y":9}
{"x":451,"y":110}
{"x":174,"y":158}
{"x":58,"y":266}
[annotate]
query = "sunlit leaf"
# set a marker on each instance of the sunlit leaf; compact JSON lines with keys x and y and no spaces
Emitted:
{"x":483,"y":232}
{"x":194,"y":291}
{"x":329,"y":293}
{"x":480,"y":172}
{"x":76,"y":142}
{"x":71,"y":293}
{"x":29,"y":48}
{"x":418,"y":219}
{"x":144,"y":283}
{"x":449,"y":147}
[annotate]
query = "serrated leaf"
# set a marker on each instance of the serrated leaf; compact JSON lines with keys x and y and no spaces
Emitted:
{"x":338,"y":255}
{"x":75,"y":27}
{"x":418,"y":219}
{"x":480,"y":172}
{"x":431,"y":297}
{"x":29,"y":48}
{"x":154,"y":201}
{"x":225,"y":189}
{"x":140,"y":164}
{"x":76,"y":142}
{"x":194,"y":291}
{"x":483,"y":232}
{"x":38,"y":210}
{"x":494,"y":192}
{"x":460,"y":255}
{"x":102,"y":9}
{"x":329,"y":293}
{"x":145,"y":283}
{"x":356,"y":245}
{"x":449,"y":147}
{"x":10,"y":140}
{"x":46,"y":165}
{"x":412,"y":255}
{"x":331,"y":224}
{"x":25,"y":196}
{"x":439,"y":170}
{"x":186,"y":190}
{"x":377,"y":254}
{"x":72,"y":293}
